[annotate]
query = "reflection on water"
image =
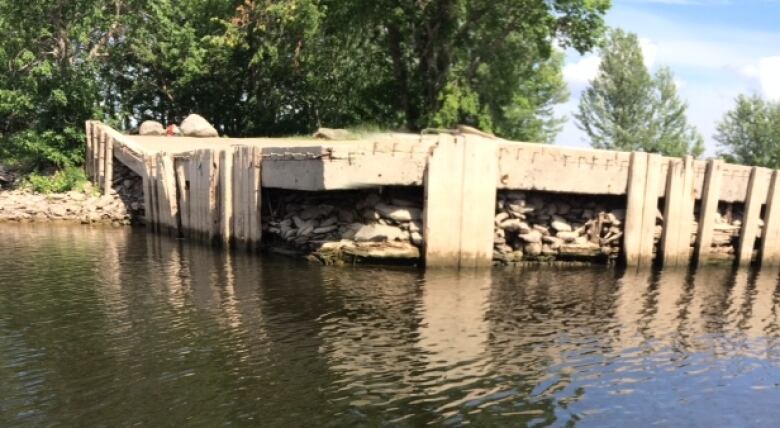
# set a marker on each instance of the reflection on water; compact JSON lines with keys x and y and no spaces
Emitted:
{"x":117,"y":327}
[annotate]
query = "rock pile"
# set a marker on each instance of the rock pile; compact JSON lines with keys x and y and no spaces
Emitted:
{"x":346,"y":225}
{"x":193,"y":125}
{"x":122,"y":207}
{"x":531,"y":227}
{"x":728,"y":225}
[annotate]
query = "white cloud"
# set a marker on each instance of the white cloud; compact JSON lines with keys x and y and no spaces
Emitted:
{"x":766,"y":72}
{"x":649,"y":51}
{"x":579,"y":73}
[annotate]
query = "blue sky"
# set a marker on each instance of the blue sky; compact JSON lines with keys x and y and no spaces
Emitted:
{"x":717,"y":49}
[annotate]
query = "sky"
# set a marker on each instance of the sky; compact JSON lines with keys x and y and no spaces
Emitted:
{"x":717,"y":49}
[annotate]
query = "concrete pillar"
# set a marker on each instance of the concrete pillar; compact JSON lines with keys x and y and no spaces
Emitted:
{"x":480,"y":175}
{"x":460,"y":199}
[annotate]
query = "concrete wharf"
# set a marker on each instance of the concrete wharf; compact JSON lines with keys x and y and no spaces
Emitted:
{"x":211,"y":189}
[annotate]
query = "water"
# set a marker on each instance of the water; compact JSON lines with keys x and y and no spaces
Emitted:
{"x":102,"y":327}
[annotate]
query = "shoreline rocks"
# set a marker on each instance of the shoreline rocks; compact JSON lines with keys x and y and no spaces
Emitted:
{"x":122,"y":206}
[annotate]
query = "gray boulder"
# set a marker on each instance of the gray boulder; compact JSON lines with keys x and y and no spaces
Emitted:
{"x":378,"y":232}
{"x":151,"y":127}
{"x":196,"y":126}
{"x":398,"y":213}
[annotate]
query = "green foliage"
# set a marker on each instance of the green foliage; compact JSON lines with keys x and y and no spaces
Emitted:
{"x":279,"y":68}
{"x":750,"y":132}
{"x":625,"y":108}
{"x":64,"y":180}
{"x":47,"y":82}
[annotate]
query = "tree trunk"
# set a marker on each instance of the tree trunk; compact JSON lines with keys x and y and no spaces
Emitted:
{"x":401,"y":77}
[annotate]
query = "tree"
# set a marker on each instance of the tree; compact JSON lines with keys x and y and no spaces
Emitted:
{"x":625,"y":108}
{"x":671,"y":134}
{"x":47,"y":77}
{"x":750,"y":133}
{"x":480,"y":62}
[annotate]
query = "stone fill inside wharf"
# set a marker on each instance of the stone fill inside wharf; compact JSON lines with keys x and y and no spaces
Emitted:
{"x":385,"y":225}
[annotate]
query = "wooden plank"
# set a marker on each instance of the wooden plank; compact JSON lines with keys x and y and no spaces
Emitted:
{"x":108,"y":158}
{"x":770,"y":237}
{"x":197,"y":195}
{"x":225,"y":201}
{"x":149,"y":179}
{"x":204,"y":217}
{"x":673,"y":214}
{"x":181,"y":166}
{"x":88,"y":128}
{"x":688,"y":201}
{"x":678,"y":215}
{"x":129,"y":159}
{"x":93,"y":155}
{"x":650,"y":208}
{"x":756,"y":196}
{"x":163,"y":219}
{"x":211,"y":178}
{"x":146,"y":181}
{"x":708,"y":210}
{"x":193,"y":194}
{"x":100,"y":159}
{"x":254,"y":228}
{"x":166,"y":191}
{"x":245,"y":202}
{"x":238,"y":195}
{"x":632,"y":238}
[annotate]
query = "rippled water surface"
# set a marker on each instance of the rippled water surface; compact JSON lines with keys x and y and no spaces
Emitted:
{"x":117,"y":327}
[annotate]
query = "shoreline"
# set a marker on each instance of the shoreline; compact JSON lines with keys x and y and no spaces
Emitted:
{"x":123,"y":205}
{"x":72,"y":207}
